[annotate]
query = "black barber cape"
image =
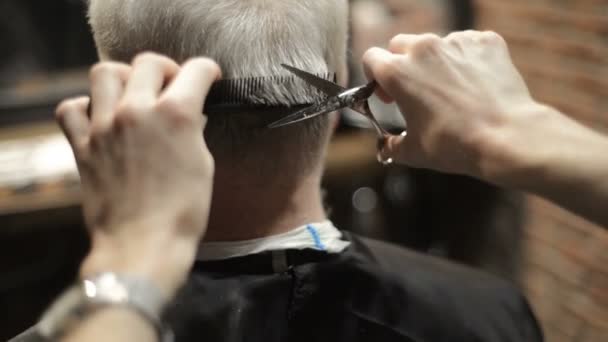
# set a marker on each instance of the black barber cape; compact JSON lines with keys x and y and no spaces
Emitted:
{"x":372,"y":291}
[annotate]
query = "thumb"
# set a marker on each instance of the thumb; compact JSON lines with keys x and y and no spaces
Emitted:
{"x":375,"y":62}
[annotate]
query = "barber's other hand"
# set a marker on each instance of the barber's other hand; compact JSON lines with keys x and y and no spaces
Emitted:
{"x":145,"y":169}
{"x":463,"y":99}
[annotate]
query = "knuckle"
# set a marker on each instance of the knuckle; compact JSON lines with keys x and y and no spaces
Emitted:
{"x":143,"y":57}
{"x":168,"y":104}
{"x":431,"y":40}
{"x":84,"y":159}
{"x":104,"y":68}
{"x":80,"y":147}
{"x":427,"y":43}
{"x":455,"y":36}
{"x":155,"y":59}
{"x":180,"y":119}
{"x":174,"y":110}
{"x":124,"y":119}
{"x":204,"y":64}
{"x":166,"y":60}
{"x":100,"y":69}
{"x":395,"y":65}
{"x":97,"y":132}
{"x":390,"y":69}
{"x":368,"y":57}
{"x":493,"y":37}
{"x":63,"y":108}
{"x":490,"y":34}
{"x":67,"y":106}
{"x":131,"y":108}
{"x":383,"y":70}
{"x":397,"y":41}
{"x":384,"y":67}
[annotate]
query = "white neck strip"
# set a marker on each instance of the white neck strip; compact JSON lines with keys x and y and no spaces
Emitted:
{"x":321,"y":236}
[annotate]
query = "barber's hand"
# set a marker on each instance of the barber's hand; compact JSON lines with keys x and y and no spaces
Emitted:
{"x":145,"y":169}
{"x":463,"y":100}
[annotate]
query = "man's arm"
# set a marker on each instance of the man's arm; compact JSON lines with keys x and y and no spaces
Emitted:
{"x":564,"y":161}
{"x":469,"y":112}
{"x":146,"y":177}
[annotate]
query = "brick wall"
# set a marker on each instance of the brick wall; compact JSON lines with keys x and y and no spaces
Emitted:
{"x":561,"y":47}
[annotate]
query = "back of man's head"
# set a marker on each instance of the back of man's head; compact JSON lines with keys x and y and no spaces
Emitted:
{"x":248,"y":38}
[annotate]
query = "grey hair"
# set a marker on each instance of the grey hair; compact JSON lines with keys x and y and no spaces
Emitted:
{"x":248,"y":38}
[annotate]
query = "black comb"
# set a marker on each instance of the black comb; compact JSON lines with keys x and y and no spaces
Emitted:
{"x":242,"y":94}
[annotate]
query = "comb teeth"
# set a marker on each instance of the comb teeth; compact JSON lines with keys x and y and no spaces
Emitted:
{"x":250,"y":91}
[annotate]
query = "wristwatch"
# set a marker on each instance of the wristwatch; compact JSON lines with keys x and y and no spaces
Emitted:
{"x":103,"y":290}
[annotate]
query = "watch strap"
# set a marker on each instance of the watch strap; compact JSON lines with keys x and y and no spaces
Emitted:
{"x":105,"y":290}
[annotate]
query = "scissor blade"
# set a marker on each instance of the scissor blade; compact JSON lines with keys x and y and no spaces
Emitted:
{"x":327,"y":87}
{"x":304,"y":114}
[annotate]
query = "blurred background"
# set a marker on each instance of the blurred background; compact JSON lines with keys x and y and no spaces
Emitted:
{"x":559,"y":260}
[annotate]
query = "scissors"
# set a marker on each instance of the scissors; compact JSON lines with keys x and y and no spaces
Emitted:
{"x":338,"y":98}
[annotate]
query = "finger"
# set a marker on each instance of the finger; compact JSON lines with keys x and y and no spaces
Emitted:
{"x":373,"y":61}
{"x":192,"y":83}
{"x":150,"y":72}
{"x":383,"y":96}
{"x":72,"y":118}
{"x":403,"y":43}
{"x":399,"y":148}
{"x":107,"y":84}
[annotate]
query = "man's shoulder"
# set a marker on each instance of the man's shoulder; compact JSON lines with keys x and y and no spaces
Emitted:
{"x":402,"y":263}
{"x":463,"y":298}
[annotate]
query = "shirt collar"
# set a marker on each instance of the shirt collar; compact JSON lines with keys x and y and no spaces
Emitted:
{"x":323,"y":236}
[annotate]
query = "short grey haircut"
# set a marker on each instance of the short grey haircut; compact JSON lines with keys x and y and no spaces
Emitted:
{"x":248,"y":38}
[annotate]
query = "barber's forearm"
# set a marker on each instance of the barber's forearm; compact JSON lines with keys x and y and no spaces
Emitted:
{"x":576,"y":174}
{"x":158,"y":256}
{"x":161,"y":260}
{"x":551,"y":155}
{"x":145,"y":214}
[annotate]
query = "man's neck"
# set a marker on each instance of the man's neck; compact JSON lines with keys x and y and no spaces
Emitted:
{"x":244,"y":209}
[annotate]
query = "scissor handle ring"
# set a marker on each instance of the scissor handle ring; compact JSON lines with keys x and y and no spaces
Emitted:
{"x":381,"y":145}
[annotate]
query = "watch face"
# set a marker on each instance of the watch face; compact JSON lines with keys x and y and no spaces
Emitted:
{"x":106,"y":288}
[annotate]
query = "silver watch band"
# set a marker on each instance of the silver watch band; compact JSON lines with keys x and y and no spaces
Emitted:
{"x":103,"y":290}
